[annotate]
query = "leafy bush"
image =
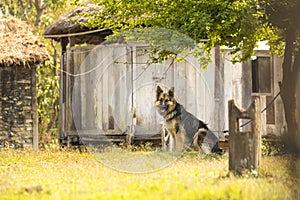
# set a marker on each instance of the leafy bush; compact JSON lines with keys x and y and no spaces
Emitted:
{"x":271,"y":147}
{"x":48,"y":101}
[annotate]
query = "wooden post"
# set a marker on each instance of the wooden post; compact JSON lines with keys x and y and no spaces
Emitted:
{"x":35,"y":129}
{"x":62,"y":93}
{"x":244,"y":145}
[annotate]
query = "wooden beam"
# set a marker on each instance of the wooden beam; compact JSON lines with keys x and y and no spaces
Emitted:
{"x":35,"y":130}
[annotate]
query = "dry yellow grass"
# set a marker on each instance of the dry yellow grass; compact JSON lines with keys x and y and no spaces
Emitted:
{"x":56,"y":174}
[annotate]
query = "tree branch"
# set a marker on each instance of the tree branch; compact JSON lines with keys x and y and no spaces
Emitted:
{"x":39,"y":11}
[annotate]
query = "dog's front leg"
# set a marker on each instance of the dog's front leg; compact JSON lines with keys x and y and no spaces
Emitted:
{"x":172,"y":143}
{"x":180,"y":140}
{"x":165,"y":135}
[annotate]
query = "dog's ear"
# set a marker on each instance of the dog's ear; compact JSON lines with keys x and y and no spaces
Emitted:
{"x":171,"y":92}
{"x":158,"y":92}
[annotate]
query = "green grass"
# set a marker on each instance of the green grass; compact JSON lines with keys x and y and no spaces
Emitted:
{"x":53,"y":174}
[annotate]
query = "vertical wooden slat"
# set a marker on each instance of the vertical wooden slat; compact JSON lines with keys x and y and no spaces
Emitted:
{"x":131,"y":97}
{"x":122,"y":101}
{"x":34,"y":110}
{"x":70,"y":126}
{"x":264,"y":114}
{"x":270,"y":112}
{"x":179,"y":84}
{"x":105,"y":88}
{"x":62,"y":110}
{"x":200,"y":93}
{"x":62,"y":116}
{"x":100,"y":57}
{"x":218,"y":93}
{"x":90,"y":88}
{"x":144,"y":92}
{"x":190,"y":87}
{"x":71,"y":88}
{"x":129,"y":85}
{"x":83,"y":92}
{"x":136,"y":61}
{"x":76,"y":97}
{"x":68,"y":88}
{"x":119,"y":81}
{"x":98,"y":85}
{"x":111,"y":57}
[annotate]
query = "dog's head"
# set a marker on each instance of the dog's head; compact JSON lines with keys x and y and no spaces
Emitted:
{"x":165,"y":101}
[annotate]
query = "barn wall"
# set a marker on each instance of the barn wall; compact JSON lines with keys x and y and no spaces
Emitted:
{"x":108,"y":88}
{"x":18,"y":109}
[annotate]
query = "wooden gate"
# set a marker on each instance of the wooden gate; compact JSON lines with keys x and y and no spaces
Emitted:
{"x":110,"y":89}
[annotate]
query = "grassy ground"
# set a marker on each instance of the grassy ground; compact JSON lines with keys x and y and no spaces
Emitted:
{"x":54,"y":174}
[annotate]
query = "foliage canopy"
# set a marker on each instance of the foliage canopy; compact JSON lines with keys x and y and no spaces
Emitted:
{"x":234,"y":23}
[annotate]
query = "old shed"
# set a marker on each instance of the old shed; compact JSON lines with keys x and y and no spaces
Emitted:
{"x":259,"y":77}
{"x":20,"y":54}
{"x":109,"y":89}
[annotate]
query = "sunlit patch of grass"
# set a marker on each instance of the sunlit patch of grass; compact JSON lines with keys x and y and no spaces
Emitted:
{"x":69,"y":174}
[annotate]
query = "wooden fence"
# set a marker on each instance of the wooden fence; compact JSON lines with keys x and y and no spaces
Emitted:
{"x":108,"y":89}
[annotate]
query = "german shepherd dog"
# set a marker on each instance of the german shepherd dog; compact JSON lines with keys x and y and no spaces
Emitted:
{"x":183,"y":129}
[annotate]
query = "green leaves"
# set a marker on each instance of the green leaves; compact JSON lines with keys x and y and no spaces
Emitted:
{"x":48,"y":97}
{"x":234,"y":23}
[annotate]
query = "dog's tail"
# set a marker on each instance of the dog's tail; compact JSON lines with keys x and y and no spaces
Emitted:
{"x":207,"y":141}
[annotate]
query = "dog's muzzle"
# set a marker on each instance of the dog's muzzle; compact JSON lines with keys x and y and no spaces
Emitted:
{"x":162,"y":109}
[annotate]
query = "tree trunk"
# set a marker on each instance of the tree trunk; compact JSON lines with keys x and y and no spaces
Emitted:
{"x":288,"y":92}
{"x":52,"y":120}
{"x":39,"y":11}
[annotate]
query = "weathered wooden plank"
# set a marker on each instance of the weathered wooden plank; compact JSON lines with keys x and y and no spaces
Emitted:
{"x":105,"y":83}
{"x":69,"y":65}
{"x":201,"y":91}
{"x":119,"y":97}
{"x":165,"y":71}
{"x":112,"y":57}
{"x":62,"y":109}
{"x":91,"y":65}
{"x":180,"y":84}
{"x":208,"y":90}
{"x":244,"y":146}
{"x":270,"y":112}
{"x":123,"y":90}
{"x":76,"y":97}
{"x":99,"y":87}
{"x":71,"y":87}
{"x":218,"y":112}
{"x":35,"y":130}
{"x":145,"y":92}
{"x":83,"y":91}
{"x":264,"y":114}
{"x":129,"y":86}
{"x":137,"y":60}
{"x":191,"y":87}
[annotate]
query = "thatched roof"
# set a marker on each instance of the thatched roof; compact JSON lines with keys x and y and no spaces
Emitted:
{"x":73,"y":22}
{"x":18,"y":45}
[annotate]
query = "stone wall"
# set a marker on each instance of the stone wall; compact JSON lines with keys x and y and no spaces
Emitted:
{"x":16,"y":104}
